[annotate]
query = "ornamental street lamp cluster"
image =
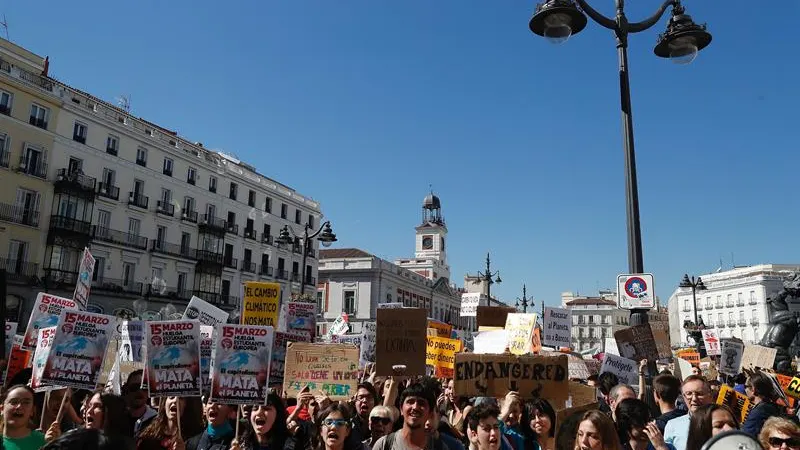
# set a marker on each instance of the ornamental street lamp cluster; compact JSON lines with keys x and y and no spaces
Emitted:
{"x":694,"y":329}
{"x":324,"y":235}
{"x":524,"y":300}
{"x":489,"y":278}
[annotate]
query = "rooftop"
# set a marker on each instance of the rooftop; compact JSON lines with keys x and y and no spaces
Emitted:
{"x":339,"y":253}
{"x":592,"y":301}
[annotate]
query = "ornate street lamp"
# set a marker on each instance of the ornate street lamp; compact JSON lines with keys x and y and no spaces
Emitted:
{"x":324,"y":235}
{"x":694,"y":329}
{"x":524,"y":300}
{"x":489,"y":278}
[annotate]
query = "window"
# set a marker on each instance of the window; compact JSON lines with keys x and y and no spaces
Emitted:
{"x":141,"y":156}
{"x":39,"y":116}
{"x":268,"y":205}
{"x":251,"y":198}
{"x":134,"y":226}
{"x":741,"y":316}
{"x":591,"y":318}
{"x":349,"y":303}
{"x":79,"y":132}
{"x":186,"y":241}
{"x":103,"y":219}
{"x":708,"y":302}
{"x":5,"y":102}
{"x":212,"y":184}
{"x":5,"y":143}
{"x":719,"y":301}
{"x":138,"y":188}
{"x":99,"y":268}
{"x":74,"y":165}
{"x":234,"y":191}
{"x":166,"y":197}
{"x":310,"y":221}
{"x":752,"y":297}
{"x":211,"y":210}
{"x":156,"y":273}
{"x":112,"y":145}
{"x":250,"y":225}
{"x":33,"y":162}
{"x":267,"y":231}
{"x":17,"y":255}
{"x":686,"y":305}
{"x":719,"y":318}
{"x":284,"y":211}
{"x":161,"y":236}
{"x":297,"y":216}
{"x":167,"y":167}
{"x":188,"y":204}
{"x":182,"y":282}
{"x":191,"y":175}
{"x":320,"y":298}
{"x":109,"y":177}
{"x":128,"y":274}
{"x":730,"y":316}
{"x":248,"y":255}
{"x":231,"y":218}
{"x":739,"y":299}
{"x":729,"y":300}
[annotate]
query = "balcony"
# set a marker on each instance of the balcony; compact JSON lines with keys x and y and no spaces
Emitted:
{"x":141,"y":162}
{"x":34,"y":167}
{"x":173,"y":293}
{"x":108,"y":191}
{"x":191,"y":180}
{"x":231,"y":263}
{"x":731,"y":323}
{"x":295,"y":277}
{"x":311,"y":281}
{"x":36,"y":80}
{"x":37,"y":122}
{"x":74,"y":181}
{"x":742,"y":322}
{"x":59,"y":278}
{"x":265,"y":270}
{"x":167,"y":172}
{"x":248,"y":266}
{"x":189,"y":216}
{"x":79,"y":138}
{"x":70,"y":224}
{"x":721,"y":324}
{"x":166,"y":248}
{"x":266,"y":239}
{"x":119,"y":238}
{"x":117,"y":286}
{"x":19,"y":214}
{"x":311,"y":253}
{"x":282,"y":274}
{"x":112,"y":151}
{"x":699,"y":307}
{"x":754,"y":321}
{"x":212,"y":223}
{"x":297,"y":249}
{"x":165,"y":207}
{"x":250,"y":233}
{"x":230,"y":300}
{"x":685,"y":309}
{"x":753,"y":301}
{"x":719,"y":305}
{"x":19,"y":271}
{"x":5,"y":110}
{"x":739,"y":302}
{"x":209,"y":256}
{"x":232,"y":228}
{"x":138,"y":200}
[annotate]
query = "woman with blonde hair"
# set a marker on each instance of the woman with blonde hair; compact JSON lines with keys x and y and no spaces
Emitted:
{"x":779,"y":433}
{"x":596,"y":431}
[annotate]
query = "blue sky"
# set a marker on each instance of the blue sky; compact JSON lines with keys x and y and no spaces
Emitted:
{"x":362,"y":104}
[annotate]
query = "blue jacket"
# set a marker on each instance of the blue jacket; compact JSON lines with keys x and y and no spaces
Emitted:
{"x":758,"y":415}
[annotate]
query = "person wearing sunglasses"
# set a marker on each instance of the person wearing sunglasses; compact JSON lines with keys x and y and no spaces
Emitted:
{"x":334,"y":425}
{"x":140,"y":413}
{"x":780,"y":434}
{"x":381,"y":420}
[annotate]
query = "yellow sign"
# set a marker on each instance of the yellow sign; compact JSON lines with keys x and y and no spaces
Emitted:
{"x":441,"y":352}
{"x":520,"y":332}
{"x":260,"y":304}
{"x":793,"y":389}
{"x":442,"y":329}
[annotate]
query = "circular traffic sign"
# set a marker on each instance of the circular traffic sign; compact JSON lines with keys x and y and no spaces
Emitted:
{"x":636,"y":287}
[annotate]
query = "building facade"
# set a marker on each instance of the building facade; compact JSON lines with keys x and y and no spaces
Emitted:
{"x":593,"y":320}
{"x":165,"y":217}
{"x":734,"y":302}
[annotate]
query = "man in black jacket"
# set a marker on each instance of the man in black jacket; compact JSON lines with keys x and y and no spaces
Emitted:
{"x":220,"y":430}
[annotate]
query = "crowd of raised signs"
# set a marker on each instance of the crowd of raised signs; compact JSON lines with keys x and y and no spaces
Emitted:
{"x":80,"y":380}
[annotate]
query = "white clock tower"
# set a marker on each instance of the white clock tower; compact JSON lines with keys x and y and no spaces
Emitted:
{"x":430,"y":258}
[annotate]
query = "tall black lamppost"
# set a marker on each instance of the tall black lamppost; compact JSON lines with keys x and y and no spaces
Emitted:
{"x":557,"y":20}
{"x":324,"y":235}
{"x":694,"y":329}
{"x":524,"y":300}
{"x":489,"y":278}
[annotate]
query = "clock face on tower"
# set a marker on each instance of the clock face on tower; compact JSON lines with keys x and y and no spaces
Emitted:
{"x":427,"y":243}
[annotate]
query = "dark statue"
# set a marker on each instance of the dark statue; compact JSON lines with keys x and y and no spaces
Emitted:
{"x":783,"y":324}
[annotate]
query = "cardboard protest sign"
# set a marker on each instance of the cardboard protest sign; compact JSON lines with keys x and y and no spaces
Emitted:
{"x":577,"y":368}
{"x":493,"y":316}
{"x":627,"y":370}
{"x":736,"y":401}
{"x":18,"y":360}
{"x":204,"y":312}
{"x":369,"y":331}
{"x":45,"y":343}
{"x":330,"y":368}
{"x":441,"y":352}
{"x":84,"y":282}
{"x":581,"y":395}
{"x":260,"y":303}
{"x":711,"y":341}
{"x":495,"y":375}
{"x":730,"y":362}
{"x":78,"y":349}
{"x":401,"y":340}
{"x":46,"y":311}
{"x":519,"y":329}
{"x":758,"y":356}
{"x":469,"y":304}
{"x":567,"y":421}
{"x":131,"y":340}
{"x":637,"y":343}
{"x":661,"y":336}
{"x":557,"y":327}
{"x":277,"y":366}
{"x":443,"y":330}
{"x":173,"y":358}
{"x":241,"y":364}
{"x":689,"y":355}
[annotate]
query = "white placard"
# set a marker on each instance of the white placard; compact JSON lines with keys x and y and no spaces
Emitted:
{"x":627,"y":370}
{"x":204,"y":312}
{"x":610,"y":346}
{"x":557,"y":327}
{"x":131,"y":338}
{"x":340,"y":326}
{"x":494,"y":341}
{"x":712,"y":342}
{"x":469,"y":304}
{"x":84,"y":282}
{"x":730,"y":362}
{"x":369,"y":331}
{"x":636,"y":291}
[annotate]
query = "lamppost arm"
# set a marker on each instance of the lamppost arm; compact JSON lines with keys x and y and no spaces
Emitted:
{"x":611,"y":24}
{"x":652,"y":20}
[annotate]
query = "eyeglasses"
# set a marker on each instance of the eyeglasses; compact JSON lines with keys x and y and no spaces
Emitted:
{"x":383,"y":420}
{"x":334,"y":423}
{"x":19,"y":402}
{"x":776,"y":442}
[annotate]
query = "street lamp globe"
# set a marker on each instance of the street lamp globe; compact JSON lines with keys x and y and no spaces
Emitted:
{"x":557,"y":20}
{"x":683,"y":38}
{"x":327,"y":237}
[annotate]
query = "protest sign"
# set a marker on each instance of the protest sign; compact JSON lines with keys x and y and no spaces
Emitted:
{"x":793,"y":389}
{"x":46,"y":311}
{"x":330,"y":368}
{"x":206,"y":352}
{"x":660,"y":331}
{"x":301,"y":318}
{"x":441,"y":352}
{"x":173,"y":358}
{"x":610,"y":346}
{"x":730,"y":361}
{"x":204,"y":312}
{"x":712,"y":342}
{"x":519,"y":331}
{"x":367,"y":355}
{"x":78,"y":349}
{"x":443,"y":330}
{"x":349,"y":339}
{"x":260,"y":305}
{"x":83,"y":283}
{"x":577,"y":368}
{"x":493,"y":341}
{"x":401,"y":340}
{"x":627,"y":370}
{"x":495,"y":375}
{"x":241,"y":364}
{"x":581,"y":394}
{"x":758,"y":356}
{"x":44,"y":344}
{"x":469,"y":304}
{"x":340,"y":326}
{"x":557,"y":327}
{"x":493,"y":316}
{"x":276,"y":367}
{"x":689,"y":355}
{"x":18,"y":360}
{"x":738,"y":403}
{"x":637,"y":343}
{"x":131,"y":340}
{"x":10,"y":332}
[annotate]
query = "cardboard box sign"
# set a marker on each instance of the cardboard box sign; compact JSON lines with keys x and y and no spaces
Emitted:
{"x":493,"y":316}
{"x":401,"y":340}
{"x":793,"y":389}
{"x":494,"y":375}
